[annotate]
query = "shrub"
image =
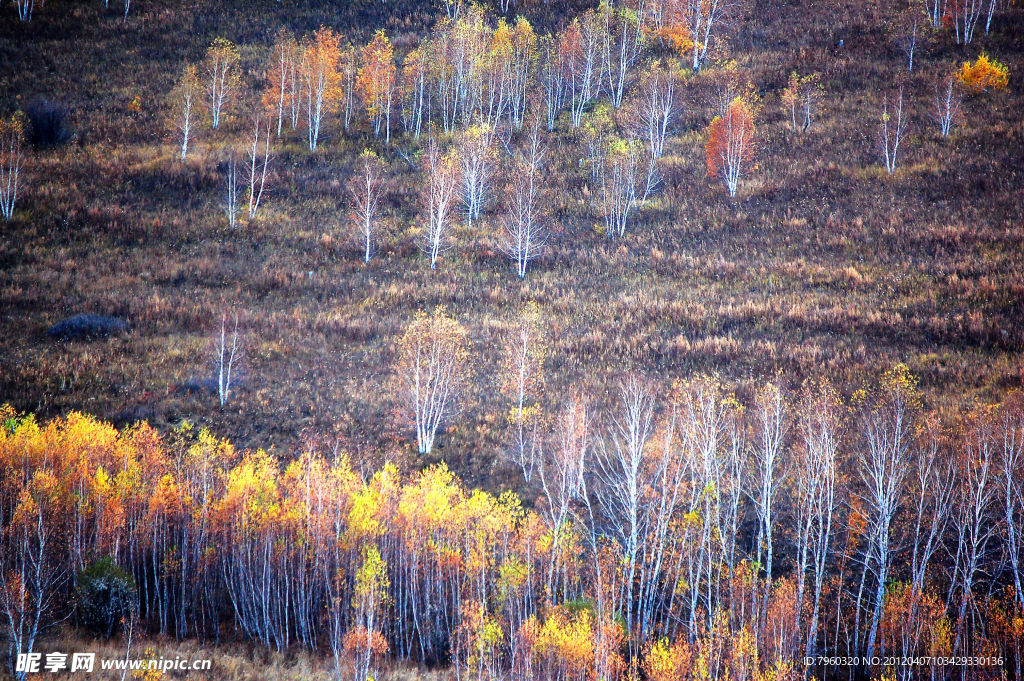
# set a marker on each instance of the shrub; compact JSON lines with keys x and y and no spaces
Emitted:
{"x":47,"y":123}
{"x":86,"y":327}
{"x":984,"y":75}
{"x":104,"y":595}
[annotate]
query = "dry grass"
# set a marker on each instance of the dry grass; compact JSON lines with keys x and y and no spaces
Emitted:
{"x":229,"y":662}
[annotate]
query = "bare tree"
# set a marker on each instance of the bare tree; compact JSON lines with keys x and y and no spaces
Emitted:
{"x":964,"y":15}
{"x":524,"y":229}
{"x":993,"y":5}
{"x":932,"y":486}
{"x":231,"y":190}
{"x":366,"y":189}
{"x":439,"y":194}
{"x":906,"y":34}
{"x":561,"y":477}
{"x":1011,"y":482}
{"x":974,"y":515}
{"x":656,"y":112}
{"x":816,"y":474}
{"x":772,"y":422}
{"x":887,"y":426}
{"x":226,"y":357}
{"x":522,"y":378}
{"x":258,"y":163}
{"x":948,"y":100}
{"x":621,"y":472}
{"x":935,"y":9}
{"x":24,"y":8}
{"x":892,"y":130}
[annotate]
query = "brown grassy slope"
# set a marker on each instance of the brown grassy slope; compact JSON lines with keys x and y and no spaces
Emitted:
{"x":229,"y":661}
{"x":823,"y":265}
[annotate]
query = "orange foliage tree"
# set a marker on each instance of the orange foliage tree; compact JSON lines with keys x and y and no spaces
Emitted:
{"x":729,"y":150}
{"x":321,"y":80}
{"x":376,"y":82}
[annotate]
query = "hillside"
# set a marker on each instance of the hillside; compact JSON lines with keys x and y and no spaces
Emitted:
{"x":821,"y":266}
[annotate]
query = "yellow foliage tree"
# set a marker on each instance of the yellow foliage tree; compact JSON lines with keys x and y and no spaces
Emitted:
{"x":984,"y":74}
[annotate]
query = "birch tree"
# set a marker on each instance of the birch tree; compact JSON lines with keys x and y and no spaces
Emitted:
{"x":31,"y":571}
{"x":622,"y":43}
{"x":25,"y":8}
{"x":974,"y":517}
{"x":1011,"y":485}
{"x":439,"y":196}
{"x":366,"y":189}
{"x":258,"y":163}
{"x":935,"y":10}
{"x":905,"y":29}
{"x":702,"y":19}
{"x":621,"y":471}
{"x":321,"y":80}
{"x":413,"y":88}
{"x":619,"y":178}
{"x":964,"y":16}
{"x":552,"y":76}
{"x":230,"y":203}
{"x":282,"y":94}
{"x":12,"y":158}
{"x":947,"y":104}
{"x":729,"y":150}
{"x":371,"y":591}
{"x":477,"y":157}
{"x":892,"y":130}
{"x":227,"y":354}
{"x":816,"y":474}
{"x":376,"y":83}
{"x":524,"y":230}
{"x":433,"y":356}
{"x":931,"y":485}
{"x":579,"y":50}
{"x":185,"y":101}
{"x":561,"y":470}
{"x":887,"y":429}
{"x":772,"y":423}
{"x":522,"y":380}
{"x":657,"y":110}
{"x":220,"y":71}
{"x":802,"y":97}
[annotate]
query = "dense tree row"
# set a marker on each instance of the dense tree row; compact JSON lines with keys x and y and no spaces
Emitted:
{"x":677,"y":533}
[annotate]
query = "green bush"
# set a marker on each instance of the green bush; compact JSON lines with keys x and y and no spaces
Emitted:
{"x":104,"y":596}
